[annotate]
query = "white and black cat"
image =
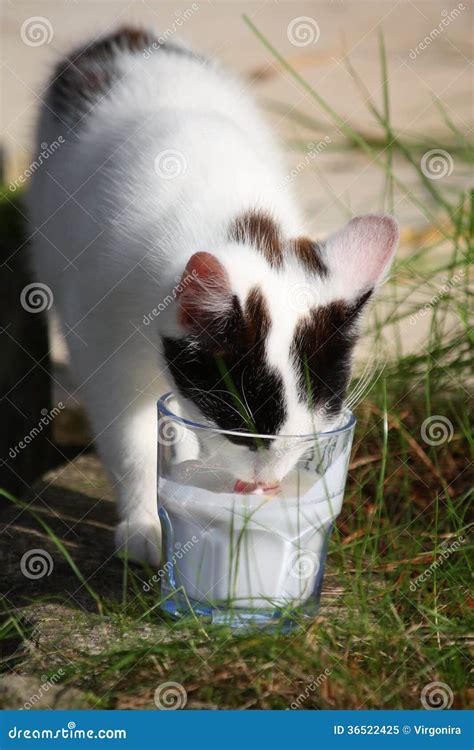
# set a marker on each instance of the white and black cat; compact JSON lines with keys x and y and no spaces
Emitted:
{"x":169,"y":173}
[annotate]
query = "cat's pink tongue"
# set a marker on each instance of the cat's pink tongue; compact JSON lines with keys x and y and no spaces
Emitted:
{"x":248,"y":488}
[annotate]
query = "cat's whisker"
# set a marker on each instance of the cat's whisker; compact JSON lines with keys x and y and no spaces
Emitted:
{"x":360,"y":387}
{"x":358,"y":394}
{"x":361,"y":393}
{"x":361,"y":382}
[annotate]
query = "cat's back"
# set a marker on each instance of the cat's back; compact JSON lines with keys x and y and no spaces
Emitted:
{"x":120,"y":100}
{"x":131,"y":75}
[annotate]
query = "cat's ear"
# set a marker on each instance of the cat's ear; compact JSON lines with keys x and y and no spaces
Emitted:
{"x":204,"y":293}
{"x":360,"y":254}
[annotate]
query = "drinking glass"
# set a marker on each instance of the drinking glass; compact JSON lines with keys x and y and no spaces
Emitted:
{"x":235,"y":553}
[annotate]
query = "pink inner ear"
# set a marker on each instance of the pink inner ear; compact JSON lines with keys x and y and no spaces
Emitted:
{"x":204,"y":290}
{"x":204,"y":265}
{"x":362,"y":251}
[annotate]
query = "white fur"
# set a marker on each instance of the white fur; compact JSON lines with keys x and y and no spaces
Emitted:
{"x":111,"y":237}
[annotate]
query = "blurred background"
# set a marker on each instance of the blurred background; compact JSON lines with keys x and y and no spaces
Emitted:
{"x":335,"y":34}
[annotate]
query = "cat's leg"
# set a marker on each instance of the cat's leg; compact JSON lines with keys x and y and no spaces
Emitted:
{"x":121,"y":405}
{"x":129,"y":452}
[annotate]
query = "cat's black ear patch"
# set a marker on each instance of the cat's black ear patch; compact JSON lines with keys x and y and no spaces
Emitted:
{"x":229,"y":378}
{"x":322,"y":351}
{"x":356,"y":307}
{"x":309,"y":254}
{"x":257,"y":320}
{"x":260,"y":230}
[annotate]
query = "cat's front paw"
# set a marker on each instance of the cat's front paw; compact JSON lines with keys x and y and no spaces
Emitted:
{"x":139,"y":541}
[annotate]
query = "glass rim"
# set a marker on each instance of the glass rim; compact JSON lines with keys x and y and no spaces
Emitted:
{"x":348,"y":425}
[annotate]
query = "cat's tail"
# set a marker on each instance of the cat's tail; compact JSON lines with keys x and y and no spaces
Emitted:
{"x":88,"y":74}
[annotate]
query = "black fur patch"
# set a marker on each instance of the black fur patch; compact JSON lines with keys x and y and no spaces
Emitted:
{"x":228,"y":376}
{"x":310,"y":256}
{"x":88,"y":73}
{"x":322,"y":352}
{"x":262,"y":231}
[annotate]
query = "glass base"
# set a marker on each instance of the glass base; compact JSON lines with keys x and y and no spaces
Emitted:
{"x":239,"y":619}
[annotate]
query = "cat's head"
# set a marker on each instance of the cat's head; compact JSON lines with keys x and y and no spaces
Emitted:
{"x":265,"y":329}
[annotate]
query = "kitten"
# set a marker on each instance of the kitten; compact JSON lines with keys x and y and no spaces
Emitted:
{"x":163,"y":230}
